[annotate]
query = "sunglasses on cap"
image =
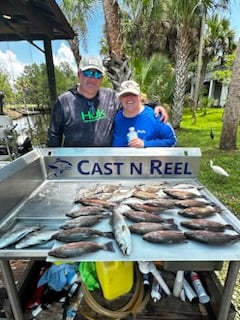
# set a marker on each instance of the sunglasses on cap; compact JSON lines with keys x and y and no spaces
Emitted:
{"x":92,"y":74}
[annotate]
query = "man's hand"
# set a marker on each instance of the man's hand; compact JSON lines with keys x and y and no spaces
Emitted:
{"x":163,"y":112}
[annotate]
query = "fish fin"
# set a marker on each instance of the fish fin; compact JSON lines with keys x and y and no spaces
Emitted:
{"x":123,"y":227}
{"x":229,"y":226}
{"x":108,"y":234}
{"x":109,"y":246}
{"x":174,"y":227}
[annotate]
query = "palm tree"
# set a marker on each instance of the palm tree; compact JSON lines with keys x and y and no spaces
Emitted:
{"x":155,"y":76}
{"x":78,"y":14}
{"x":228,"y":139}
{"x":132,"y":13}
{"x":116,"y":63}
{"x":218,"y":42}
{"x":186,"y":17}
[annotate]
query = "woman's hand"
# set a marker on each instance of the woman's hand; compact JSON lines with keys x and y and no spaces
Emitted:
{"x":136,"y":143}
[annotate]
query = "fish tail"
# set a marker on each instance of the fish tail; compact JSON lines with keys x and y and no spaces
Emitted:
{"x":229,"y":227}
{"x":109,"y":246}
{"x":174,"y":227}
{"x":108,"y":234}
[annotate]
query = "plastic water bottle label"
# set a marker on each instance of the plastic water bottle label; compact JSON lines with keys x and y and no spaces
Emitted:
{"x":132,"y":134}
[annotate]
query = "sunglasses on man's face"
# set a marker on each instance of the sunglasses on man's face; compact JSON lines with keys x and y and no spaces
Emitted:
{"x":92,"y":74}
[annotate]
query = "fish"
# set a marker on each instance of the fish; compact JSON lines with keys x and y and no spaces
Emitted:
{"x":96,"y":202}
{"x":101,"y":196}
{"x":35,"y":238}
{"x":163,"y":203}
{"x":142,"y":216}
{"x":121,"y":232}
{"x":180,"y":194}
{"x":148,"y":188}
{"x":191,"y":203}
{"x":106,"y":188}
{"x":144,"y":195}
{"x":120,"y":196}
{"x":16,"y":234}
{"x":96,"y":191}
{"x":165,"y":236}
{"x":85,"y":211}
{"x":188,"y":186}
{"x":76,"y":249}
{"x":198,"y":212}
{"x":84,"y":221}
{"x":211,"y":237}
{"x":144,"y":207}
{"x":145,"y":227}
{"x":203,"y":224}
{"x":80,"y":234}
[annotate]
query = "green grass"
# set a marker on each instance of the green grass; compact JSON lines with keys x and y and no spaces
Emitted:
{"x":227,"y":190}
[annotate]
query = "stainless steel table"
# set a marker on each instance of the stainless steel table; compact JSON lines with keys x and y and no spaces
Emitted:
{"x":45,"y":182}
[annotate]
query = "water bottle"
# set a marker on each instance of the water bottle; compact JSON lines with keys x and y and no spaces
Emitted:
{"x":197,"y":284}
{"x":132,"y":134}
{"x":189,"y":292}
{"x":156,"y":290}
{"x":178,"y":283}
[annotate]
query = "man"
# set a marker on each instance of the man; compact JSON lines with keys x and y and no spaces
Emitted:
{"x":135,"y":124}
{"x":84,"y":115}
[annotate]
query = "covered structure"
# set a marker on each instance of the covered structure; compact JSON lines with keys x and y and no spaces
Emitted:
{"x":35,"y":20}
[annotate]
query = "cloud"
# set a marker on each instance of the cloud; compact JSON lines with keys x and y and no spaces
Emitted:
{"x":64,"y":54}
{"x":10,"y":64}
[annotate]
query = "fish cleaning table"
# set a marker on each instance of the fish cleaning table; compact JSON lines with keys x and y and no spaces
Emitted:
{"x":40,"y":187}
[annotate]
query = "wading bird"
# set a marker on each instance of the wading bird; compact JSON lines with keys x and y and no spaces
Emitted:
{"x":211,"y":134}
{"x":218,"y":170}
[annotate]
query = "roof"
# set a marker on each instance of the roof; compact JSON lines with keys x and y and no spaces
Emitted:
{"x":33,"y":20}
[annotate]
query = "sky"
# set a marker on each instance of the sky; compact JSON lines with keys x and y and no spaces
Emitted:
{"x":15,"y":55}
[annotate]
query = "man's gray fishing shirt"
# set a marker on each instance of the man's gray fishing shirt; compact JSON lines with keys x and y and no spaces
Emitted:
{"x":80,"y":122}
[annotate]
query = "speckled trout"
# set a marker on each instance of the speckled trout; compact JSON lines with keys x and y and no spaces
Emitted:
{"x":121,"y":232}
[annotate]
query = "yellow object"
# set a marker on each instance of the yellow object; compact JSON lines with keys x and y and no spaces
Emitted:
{"x":115,"y":277}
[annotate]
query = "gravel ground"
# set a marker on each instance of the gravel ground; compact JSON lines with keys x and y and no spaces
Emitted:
{"x":236,"y":294}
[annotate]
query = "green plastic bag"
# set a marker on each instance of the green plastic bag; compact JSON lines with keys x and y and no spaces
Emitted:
{"x":88,"y":275}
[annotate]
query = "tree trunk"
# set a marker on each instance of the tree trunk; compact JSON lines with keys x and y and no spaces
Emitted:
{"x":199,"y":64}
{"x":182,"y":59}
{"x":74,"y":45}
{"x":117,"y":67}
{"x":112,"y":27}
{"x":228,"y":140}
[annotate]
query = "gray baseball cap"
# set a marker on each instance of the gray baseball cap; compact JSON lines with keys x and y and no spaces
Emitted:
{"x":91,"y":62}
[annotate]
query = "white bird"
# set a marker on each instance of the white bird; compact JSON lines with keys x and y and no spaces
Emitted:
{"x":218,"y":170}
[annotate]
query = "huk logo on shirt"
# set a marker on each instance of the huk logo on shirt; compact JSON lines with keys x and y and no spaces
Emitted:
{"x":90,"y":117}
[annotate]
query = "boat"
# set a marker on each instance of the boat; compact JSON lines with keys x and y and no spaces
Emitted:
{"x":11,"y":145}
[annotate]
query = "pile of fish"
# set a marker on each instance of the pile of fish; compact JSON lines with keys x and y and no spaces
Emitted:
{"x":138,"y":210}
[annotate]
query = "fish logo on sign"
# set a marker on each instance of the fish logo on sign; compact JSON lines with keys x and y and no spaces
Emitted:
{"x":58,"y":167}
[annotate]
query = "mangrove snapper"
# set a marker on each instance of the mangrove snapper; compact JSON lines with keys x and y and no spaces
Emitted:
{"x":143,"y":216}
{"x":180,"y":194}
{"x":210,"y":237}
{"x":76,"y":249}
{"x":204,"y":224}
{"x":145,"y":227}
{"x":84,"y":221}
{"x":165,"y":236}
{"x":80,"y":234}
{"x":85,"y":211}
{"x":198,"y":212}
